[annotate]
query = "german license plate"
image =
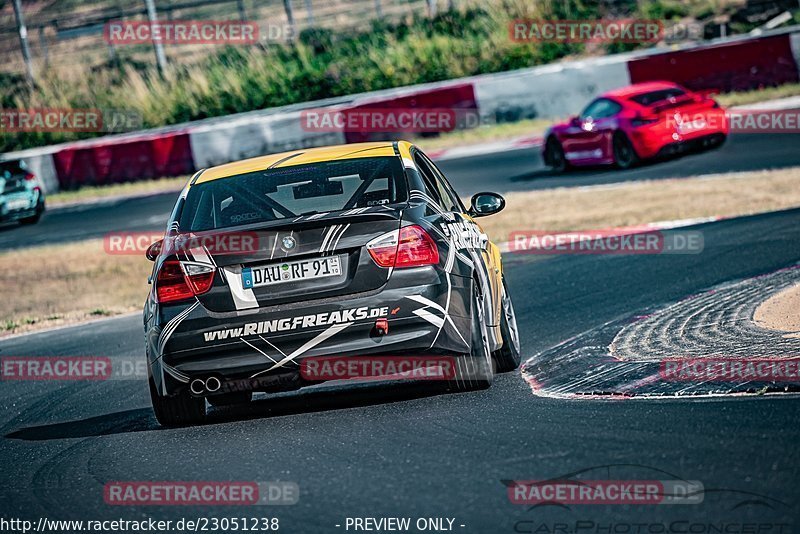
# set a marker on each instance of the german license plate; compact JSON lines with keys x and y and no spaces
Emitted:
{"x":291,"y":271}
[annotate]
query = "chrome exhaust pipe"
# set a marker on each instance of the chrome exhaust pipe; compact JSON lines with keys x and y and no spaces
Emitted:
{"x":197,"y":386}
{"x":213,"y":384}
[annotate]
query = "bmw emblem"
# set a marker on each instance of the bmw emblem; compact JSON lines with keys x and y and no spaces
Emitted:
{"x":288,"y":243}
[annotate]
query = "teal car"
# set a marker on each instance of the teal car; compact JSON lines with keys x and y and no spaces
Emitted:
{"x":21,"y":194}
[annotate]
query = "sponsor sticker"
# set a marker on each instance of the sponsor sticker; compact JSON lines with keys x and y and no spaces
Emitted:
{"x":322,"y":319}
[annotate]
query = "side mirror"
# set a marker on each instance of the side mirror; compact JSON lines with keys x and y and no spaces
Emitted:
{"x":154,"y":250}
{"x":484,"y":204}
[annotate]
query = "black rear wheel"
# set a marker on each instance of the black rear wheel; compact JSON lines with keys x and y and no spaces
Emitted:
{"x":180,"y":410}
{"x":554,"y":155}
{"x":507,"y":357}
{"x":33,"y":219}
{"x":624,"y":154}
{"x":474,"y":371}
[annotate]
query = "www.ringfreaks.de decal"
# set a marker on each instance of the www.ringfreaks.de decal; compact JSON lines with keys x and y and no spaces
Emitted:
{"x":301,"y":321}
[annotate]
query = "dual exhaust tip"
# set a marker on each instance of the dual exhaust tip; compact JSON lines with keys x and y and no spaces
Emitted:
{"x":198,"y":386}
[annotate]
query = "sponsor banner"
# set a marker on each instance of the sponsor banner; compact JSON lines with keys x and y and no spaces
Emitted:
{"x":71,"y":368}
{"x":730,"y":370}
{"x":612,"y":241}
{"x":181,"y":32}
{"x":317,"y":320}
{"x":391,"y":120}
{"x":606,"y":492}
{"x":135,"y":243}
{"x":378,"y":368}
{"x":69,"y":120}
{"x":586,"y":31}
{"x":179,"y":493}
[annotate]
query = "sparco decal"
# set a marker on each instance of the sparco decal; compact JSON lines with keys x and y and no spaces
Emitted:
{"x":301,"y":321}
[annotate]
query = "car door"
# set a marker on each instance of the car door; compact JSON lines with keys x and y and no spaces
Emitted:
{"x":589,"y":138}
{"x":473,"y":240}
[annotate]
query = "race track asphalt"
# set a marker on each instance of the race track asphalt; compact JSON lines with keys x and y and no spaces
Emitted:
{"x":513,"y":170}
{"x":405,"y":451}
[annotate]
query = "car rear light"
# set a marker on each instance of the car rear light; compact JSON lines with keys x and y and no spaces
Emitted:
{"x":410,"y":246}
{"x":176,"y":282}
{"x":29,"y":176}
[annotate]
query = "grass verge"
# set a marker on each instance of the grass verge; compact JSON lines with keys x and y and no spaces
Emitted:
{"x":100,"y":192}
{"x":633,"y":203}
{"x":61,"y":284}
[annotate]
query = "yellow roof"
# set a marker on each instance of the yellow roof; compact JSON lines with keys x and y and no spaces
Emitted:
{"x":302,"y":157}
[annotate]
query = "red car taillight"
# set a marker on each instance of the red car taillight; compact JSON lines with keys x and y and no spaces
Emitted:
{"x":175,"y":282}
{"x":29,"y":176}
{"x":411,"y":246}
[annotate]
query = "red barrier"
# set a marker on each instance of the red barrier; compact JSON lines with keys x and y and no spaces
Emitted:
{"x":124,"y":160}
{"x":460,"y":98}
{"x":736,"y":66}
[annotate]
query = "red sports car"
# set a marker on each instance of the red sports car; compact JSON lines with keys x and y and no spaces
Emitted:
{"x":637,"y":122}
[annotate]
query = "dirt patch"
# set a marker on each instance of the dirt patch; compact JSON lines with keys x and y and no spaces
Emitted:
{"x":781,"y":312}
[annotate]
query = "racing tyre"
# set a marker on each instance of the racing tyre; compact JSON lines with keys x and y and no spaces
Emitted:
{"x":229,"y":399}
{"x":624,"y":154}
{"x":474,"y":371}
{"x":507,"y":357}
{"x":180,"y":410}
{"x":554,"y":155}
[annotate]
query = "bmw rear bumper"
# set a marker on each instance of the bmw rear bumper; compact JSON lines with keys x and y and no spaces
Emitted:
{"x":427,"y":314}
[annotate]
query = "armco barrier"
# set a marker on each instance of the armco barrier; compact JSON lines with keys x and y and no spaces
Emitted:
{"x":121,"y":160}
{"x":733,"y":66}
{"x":460,"y":96}
{"x":548,"y":91}
{"x":253,"y":135}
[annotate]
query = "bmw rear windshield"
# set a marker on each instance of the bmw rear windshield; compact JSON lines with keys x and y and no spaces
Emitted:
{"x":288,"y":192}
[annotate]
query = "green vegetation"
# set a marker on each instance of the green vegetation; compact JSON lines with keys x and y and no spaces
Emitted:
{"x":473,"y":39}
{"x":321,"y":63}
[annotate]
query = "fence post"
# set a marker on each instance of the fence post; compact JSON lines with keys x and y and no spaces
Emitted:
{"x":161,"y":59}
{"x":287,"y":6}
{"x":310,"y":11}
{"x":432,"y":8}
{"x":242,"y":12}
{"x":43,"y":45}
{"x":23,"y":40}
